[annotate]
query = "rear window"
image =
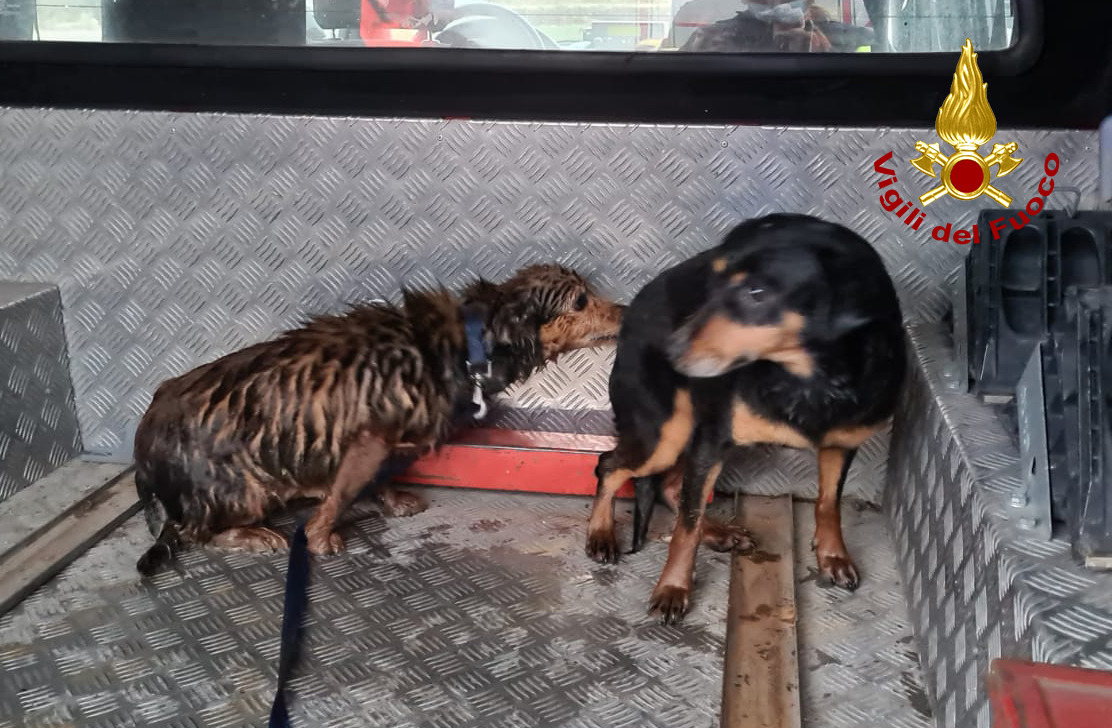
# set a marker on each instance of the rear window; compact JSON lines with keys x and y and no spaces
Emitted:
{"x":643,"y":26}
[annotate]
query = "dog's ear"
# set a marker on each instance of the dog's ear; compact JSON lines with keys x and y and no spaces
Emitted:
{"x":516,"y":318}
{"x":482,"y":290}
{"x":410,"y":299}
{"x":831,"y":319}
{"x":435,"y":307}
{"x":837,"y":323}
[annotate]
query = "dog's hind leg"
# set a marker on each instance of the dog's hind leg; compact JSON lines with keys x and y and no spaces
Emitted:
{"x":396,"y":503}
{"x":250,"y":538}
{"x":835,"y":564}
{"x":360,"y":463}
{"x":602,"y":540}
{"x":618,"y":466}
{"x":717,"y":536}
{"x":673,"y":589}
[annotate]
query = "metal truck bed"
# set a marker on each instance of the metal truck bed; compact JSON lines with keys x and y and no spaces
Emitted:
{"x":482,"y":611}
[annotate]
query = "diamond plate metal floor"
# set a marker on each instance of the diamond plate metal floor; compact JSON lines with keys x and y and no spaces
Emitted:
{"x":483,"y":611}
{"x":857,"y":659}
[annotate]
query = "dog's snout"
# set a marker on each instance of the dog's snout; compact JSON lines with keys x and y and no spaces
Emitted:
{"x":689,"y":354}
{"x":609,"y":318}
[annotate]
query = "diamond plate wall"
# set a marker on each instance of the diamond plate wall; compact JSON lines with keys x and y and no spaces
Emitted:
{"x":978,"y":587}
{"x":38,"y":423}
{"x":178,"y":237}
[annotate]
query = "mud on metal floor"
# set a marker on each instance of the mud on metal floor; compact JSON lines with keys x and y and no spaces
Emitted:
{"x":482,"y":611}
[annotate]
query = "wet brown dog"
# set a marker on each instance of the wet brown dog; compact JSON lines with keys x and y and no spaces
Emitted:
{"x":315,"y":412}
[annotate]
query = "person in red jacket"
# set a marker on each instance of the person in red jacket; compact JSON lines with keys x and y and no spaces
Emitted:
{"x":380,"y":19}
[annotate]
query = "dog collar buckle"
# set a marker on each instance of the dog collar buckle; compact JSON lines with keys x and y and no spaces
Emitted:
{"x":478,"y":365}
{"x":479,"y":401}
{"x":479,"y":371}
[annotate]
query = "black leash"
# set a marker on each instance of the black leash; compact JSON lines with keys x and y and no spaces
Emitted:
{"x":297,"y":600}
{"x":293,"y":615}
{"x":297,"y":574}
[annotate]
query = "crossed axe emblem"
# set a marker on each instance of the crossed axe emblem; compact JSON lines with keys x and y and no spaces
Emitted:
{"x":965,"y":174}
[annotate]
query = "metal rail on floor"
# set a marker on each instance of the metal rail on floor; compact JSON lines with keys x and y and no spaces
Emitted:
{"x":760,"y":680}
{"x":537,"y":462}
{"x":44,"y":553}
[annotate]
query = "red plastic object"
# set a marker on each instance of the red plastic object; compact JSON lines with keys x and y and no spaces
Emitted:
{"x":1037,"y":695}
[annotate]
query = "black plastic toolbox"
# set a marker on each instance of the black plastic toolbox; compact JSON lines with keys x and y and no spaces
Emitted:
{"x":1016,"y":286}
{"x":1087,"y":394}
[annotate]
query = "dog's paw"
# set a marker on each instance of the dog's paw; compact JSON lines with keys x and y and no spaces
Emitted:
{"x":838,"y":570}
{"x":602,"y":546}
{"x":271,"y":541}
{"x":728,"y":537}
{"x":257,"y":539}
{"x":401,"y":503}
{"x":670,"y":602}
{"x":325,"y":544}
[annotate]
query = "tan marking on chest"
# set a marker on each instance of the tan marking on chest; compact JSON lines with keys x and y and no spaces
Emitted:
{"x":749,"y":428}
{"x":674,"y":435}
{"x":849,"y":438}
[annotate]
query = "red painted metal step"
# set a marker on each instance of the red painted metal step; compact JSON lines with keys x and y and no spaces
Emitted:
{"x":533,"y":462}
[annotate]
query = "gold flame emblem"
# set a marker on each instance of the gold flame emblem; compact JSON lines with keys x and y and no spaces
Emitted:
{"x":966,"y":121}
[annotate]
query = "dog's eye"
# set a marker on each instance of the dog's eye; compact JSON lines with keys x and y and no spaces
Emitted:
{"x":581,"y":302}
{"x":756,"y":294}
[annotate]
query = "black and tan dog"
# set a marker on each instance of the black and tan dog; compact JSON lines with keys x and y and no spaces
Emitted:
{"x":315,"y":412}
{"x":788,"y":333}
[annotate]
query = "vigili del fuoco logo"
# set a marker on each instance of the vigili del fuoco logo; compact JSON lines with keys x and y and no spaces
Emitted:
{"x":965,"y":122}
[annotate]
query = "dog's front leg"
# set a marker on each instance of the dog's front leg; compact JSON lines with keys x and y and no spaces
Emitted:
{"x":635,"y":458}
{"x":835,"y":564}
{"x":602,"y":541}
{"x":360,"y":461}
{"x":673,"y":591}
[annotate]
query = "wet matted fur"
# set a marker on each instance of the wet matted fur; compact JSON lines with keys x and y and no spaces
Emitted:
{"x":314,"y":412}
